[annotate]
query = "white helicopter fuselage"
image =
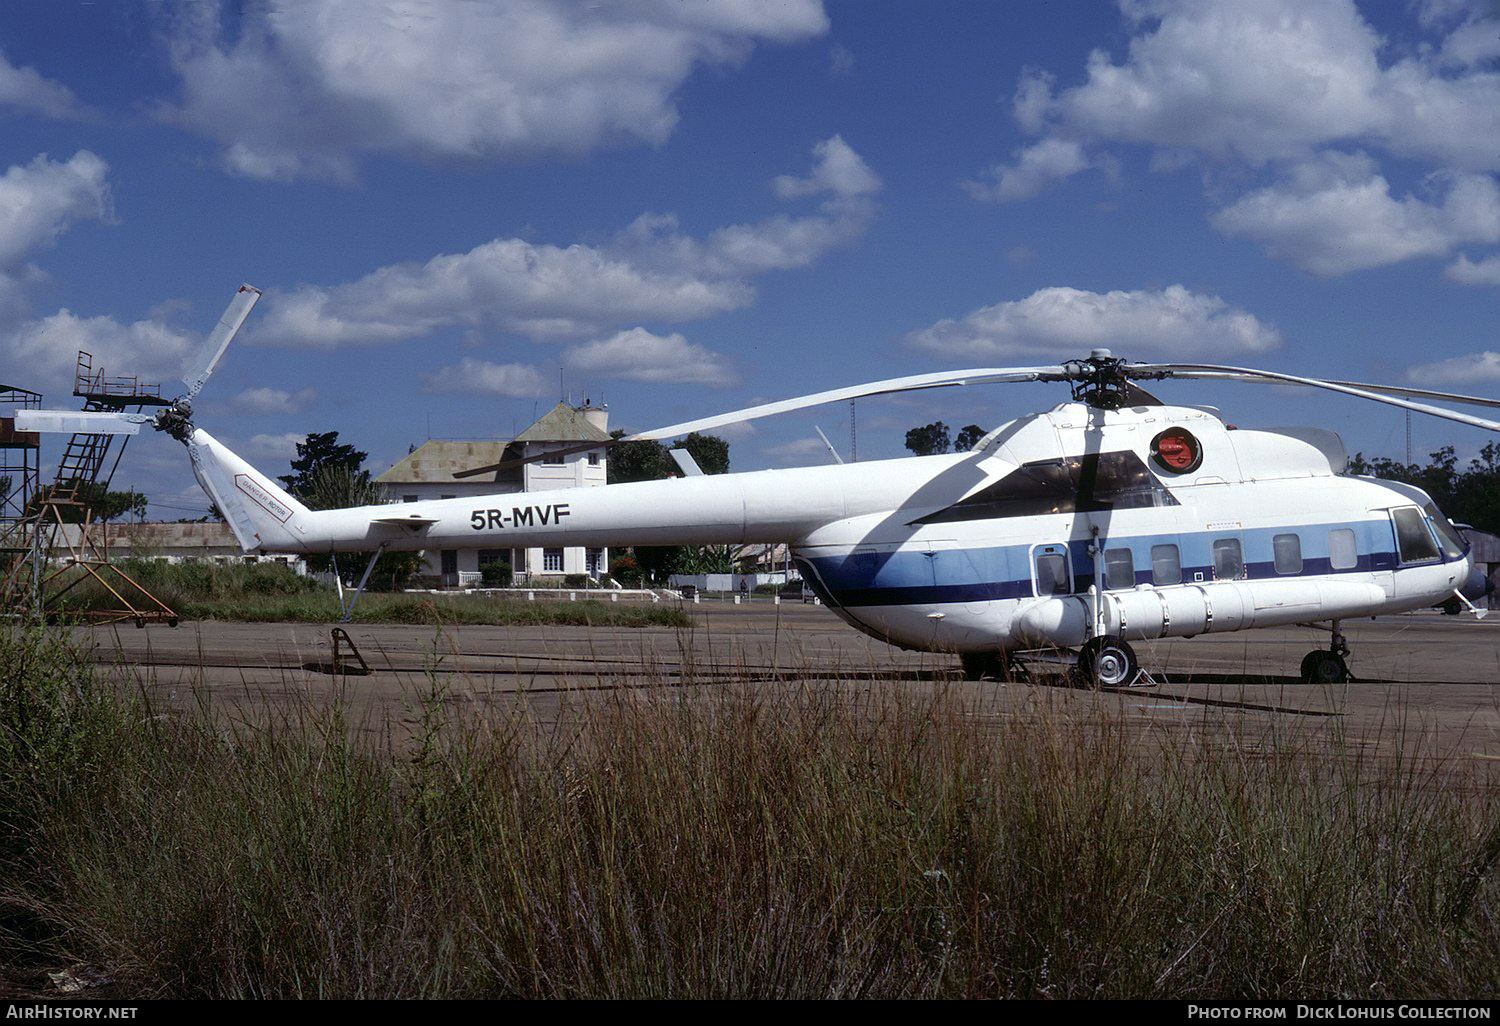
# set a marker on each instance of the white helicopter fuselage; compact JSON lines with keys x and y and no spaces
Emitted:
{"x":1059,"y":527}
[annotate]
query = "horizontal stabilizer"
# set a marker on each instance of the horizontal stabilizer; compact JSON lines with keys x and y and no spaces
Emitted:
{"x":412,"y":523}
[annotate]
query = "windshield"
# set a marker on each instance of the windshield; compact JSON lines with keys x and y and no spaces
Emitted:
{"x":1453,"y":543}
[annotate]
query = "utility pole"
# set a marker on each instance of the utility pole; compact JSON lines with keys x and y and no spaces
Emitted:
{"x":853,"y":436}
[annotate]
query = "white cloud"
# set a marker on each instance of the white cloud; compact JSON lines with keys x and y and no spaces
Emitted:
{"x":1336,"y":215}
{"x":539,"y":290}
{"x":48,"y":349}
{"x":481,"y":377}
{"x":803,"y":452}
{"x":25,"y":90}
{"x":273,"y":400}
{"x":275,"y":446}
{"x":836,"y":169}
{"x":1266,"y":89}
{"x":1270,"y":80}
{"x":1457,"y":371}
{"x":1036,"y":167}
{"x":38,"y":202}
{"x":649,"y":272}
{"x":638,"y":355}
{"x":1472,"y":272}
{"x":1065,"y":323}
{"x":304,"y":88}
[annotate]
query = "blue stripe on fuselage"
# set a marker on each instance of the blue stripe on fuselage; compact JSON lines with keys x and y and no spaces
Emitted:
{"x":911,"y":576}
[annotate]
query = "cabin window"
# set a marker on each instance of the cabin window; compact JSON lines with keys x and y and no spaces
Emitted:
{"x":1119,"y":569}
{"x":552,"y":561}
{"x":1413,"y":540}
{"x":1287,"y":550}
{"x":1229,"y":562}
{"x":1052,"y":572}
{"x":1342,"y":554}
{"x":1166,"y":566}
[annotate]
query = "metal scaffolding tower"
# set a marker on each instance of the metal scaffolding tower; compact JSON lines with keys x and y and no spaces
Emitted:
{"x":61,"y":516}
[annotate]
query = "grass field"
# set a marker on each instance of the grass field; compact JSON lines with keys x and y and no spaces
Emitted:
{"x":721,"y":841}
{"x":271,"y":593}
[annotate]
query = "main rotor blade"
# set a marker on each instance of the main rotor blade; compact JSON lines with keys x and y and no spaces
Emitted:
{"x":208,"y":355}
{"x":1210,"y":372}
{"x":1423,"y":393}
{"x":912,"y":383}
{"x":80,"y":422}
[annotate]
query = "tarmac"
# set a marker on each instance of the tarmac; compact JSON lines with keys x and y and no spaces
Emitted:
{"x":1426,"y":677}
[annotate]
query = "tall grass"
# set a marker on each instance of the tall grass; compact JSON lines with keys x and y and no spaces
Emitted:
{"x":724,"y":841}
{"x":272,"y":593}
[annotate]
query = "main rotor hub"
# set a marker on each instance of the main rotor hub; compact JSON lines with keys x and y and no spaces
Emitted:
{"x":1101,"y":381}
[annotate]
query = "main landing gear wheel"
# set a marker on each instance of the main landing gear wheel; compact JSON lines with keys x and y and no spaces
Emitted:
{"x":1108,"y":662}
{"x":1323,"y":667}
{"x":1000,"y":666}
{"x":1326,"y":665}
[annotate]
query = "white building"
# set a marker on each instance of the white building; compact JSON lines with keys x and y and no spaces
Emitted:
{"x":427,"y":473}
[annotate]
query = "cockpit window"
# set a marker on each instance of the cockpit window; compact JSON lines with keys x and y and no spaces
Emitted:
{"x":1092,"y":483}
{"x":1448,"y":537}
{"x":1413,"y":540}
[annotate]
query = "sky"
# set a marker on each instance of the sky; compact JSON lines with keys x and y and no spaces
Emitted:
{"x":461,"y":212}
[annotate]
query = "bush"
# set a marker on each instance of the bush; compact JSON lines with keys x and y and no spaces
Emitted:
{"x":627,"y":571}
{"x":577,"y":580}
{"x":496,"y":574}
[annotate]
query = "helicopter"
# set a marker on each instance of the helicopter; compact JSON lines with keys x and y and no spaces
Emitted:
{"x":1112,"y":517}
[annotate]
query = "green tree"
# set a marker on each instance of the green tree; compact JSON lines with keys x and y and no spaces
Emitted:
{"x":710,"y":452}
{"x":101,"y":504}
{"x":968,"y":437}
{"x":320,"y":452}
{"x":652,"y":461}
{"x":928,"y":440}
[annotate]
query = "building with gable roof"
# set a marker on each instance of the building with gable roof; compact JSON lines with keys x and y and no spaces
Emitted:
{"x":427,"y":473}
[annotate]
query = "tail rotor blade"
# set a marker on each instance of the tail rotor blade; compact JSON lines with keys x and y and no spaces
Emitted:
{"x":80,"y":422}
{"x":208,"y":356}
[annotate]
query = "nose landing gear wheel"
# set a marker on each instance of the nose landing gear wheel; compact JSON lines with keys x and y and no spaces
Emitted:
{"x":1107,"y":662}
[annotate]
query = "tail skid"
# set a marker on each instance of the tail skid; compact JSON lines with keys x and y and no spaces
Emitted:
{"x":261,"y":515}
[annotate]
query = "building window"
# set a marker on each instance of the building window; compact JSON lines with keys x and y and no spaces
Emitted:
{"x":593,"y":459}
{"x":408,"y":498}
{"x":594,"y":560}
{"x":552,"y":561}
{"x":518,"y":560}
{"x":488,"y":556}
{"x":553,"y":460}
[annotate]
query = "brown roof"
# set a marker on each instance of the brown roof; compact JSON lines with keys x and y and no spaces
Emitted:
{"x":562,"y":423}
{"x":436,"y":462}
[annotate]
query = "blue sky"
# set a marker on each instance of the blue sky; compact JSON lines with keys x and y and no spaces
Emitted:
{"x":459,"y":211}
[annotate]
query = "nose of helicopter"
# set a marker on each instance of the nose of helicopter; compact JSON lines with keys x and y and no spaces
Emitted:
{"x":1477,"y":586}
